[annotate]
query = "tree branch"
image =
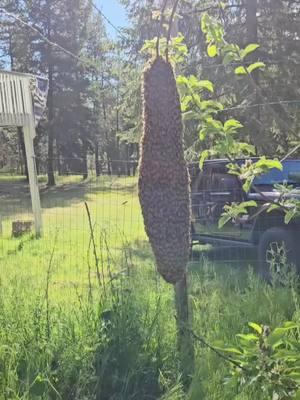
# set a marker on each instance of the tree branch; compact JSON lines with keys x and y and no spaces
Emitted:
{"x":170,"y":27}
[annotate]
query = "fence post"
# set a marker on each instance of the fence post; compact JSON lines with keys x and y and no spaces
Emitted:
{"x":33,"y":180}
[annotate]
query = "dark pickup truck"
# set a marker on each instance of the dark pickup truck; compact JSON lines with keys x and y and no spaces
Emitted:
{"x":277,"y":243}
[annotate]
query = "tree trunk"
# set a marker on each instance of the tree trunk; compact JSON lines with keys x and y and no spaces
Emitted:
{"x":50,"y":161}
{"x":85,"y":172}
{"x":97,"y":161}
{"x":135,"y":161}
{"x":128,"y":160}
{"x":109,"y":167}
{"x":23,"y":152}
{"x":59,"y":159}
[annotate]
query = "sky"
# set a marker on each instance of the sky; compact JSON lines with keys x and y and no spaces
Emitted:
{"x":115,"y":12}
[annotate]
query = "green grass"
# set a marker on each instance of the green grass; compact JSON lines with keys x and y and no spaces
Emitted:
{"x":65,"y":336}
{"x":114,"y":209}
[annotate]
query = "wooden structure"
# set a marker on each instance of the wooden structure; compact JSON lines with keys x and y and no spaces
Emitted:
{"x":17,"y":110}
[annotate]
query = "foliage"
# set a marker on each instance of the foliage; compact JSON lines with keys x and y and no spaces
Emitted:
{"x":93,"y":108}
{"x":268,"y":360}
{"x":234,"y":211}
{"x":223,"y":140}
{"x":177,"y":49}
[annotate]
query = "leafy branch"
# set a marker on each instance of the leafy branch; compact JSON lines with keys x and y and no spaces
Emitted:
{"x":223,"y":136}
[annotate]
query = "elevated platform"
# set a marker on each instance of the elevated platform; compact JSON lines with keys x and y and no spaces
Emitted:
{"x":22,"y":101}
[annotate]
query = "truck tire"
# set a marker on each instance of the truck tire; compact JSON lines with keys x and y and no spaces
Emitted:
{"x":277,"y":249}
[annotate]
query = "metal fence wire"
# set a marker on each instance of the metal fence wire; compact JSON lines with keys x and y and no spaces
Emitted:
{"x":104,"y":208}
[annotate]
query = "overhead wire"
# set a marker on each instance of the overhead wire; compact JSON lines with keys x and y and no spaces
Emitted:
{"x":119,"y":32}
{"x":85,"y":61}
{"x":271,"y":103}
{"x":88,"y":62}
{"x":48,"y":41}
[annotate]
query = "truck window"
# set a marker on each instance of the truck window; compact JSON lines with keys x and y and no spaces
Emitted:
{"x":226,"y":184}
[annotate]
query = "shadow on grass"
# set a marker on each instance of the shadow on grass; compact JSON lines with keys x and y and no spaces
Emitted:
{"x":15,"y":194}
{"x":221,"y":259}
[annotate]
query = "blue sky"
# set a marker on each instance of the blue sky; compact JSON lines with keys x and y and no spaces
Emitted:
{"x":115,"y":12}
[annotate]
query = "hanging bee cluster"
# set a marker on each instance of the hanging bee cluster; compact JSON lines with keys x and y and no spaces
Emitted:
{"x":163,"y":176}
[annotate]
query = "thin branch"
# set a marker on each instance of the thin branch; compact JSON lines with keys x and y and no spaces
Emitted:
{"x":48,"y":279}
{"x":290,"y":153}
{"x":93,"y":243}
{"x":170,"y":27}
{"x":90,"y":295}
{"x":216,"y":351}
{"x":160,"y":26}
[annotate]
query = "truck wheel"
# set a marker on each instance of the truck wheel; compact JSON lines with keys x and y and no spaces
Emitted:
{"x":276,"y":250}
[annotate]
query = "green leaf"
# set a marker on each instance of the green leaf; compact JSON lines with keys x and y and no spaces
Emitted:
{"x":206,"y":85}
{"x":214,"y":123}
{"x":250,"y":203}
{"x":212,"y":50}
{"x":223,"y":220}
{"x":290,"y":325}
{"x":182,"y":80}
{"x":202,"y":134}
{"x":256,"y":327}
{"x":276,"y":336}
{"x":204,"y":22}
{"x":148,"y":45}
{"x":246,"y":148}
{"x":215,"y":105}
{"x":204,"y":156}
{"x":248,"y":338}
{"x":255,"y":66}
{"x":240,"y":71}
{"x":232,"y":123}
{"x":247,"y":185}
{"x":273,"y":207}
{"x":231,"y":350}
{"x":249,"y":49}
{"x":263,"y":162}
{"x":289,"y":215}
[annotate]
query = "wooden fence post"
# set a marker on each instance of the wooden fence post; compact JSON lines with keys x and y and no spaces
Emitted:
{"x":33,"y":180}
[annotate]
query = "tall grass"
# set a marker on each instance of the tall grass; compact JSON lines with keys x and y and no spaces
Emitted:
{"x":122,"y":344}
{"x":66,"y":334}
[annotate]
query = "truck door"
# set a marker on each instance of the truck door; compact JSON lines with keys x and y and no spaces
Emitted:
{"x":200,"y":202}
{"x":225,"y":189}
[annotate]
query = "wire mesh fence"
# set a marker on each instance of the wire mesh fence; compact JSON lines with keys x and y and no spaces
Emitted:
{"x":83,"y":206}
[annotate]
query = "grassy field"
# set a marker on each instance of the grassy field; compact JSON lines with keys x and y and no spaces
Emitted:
{"x":114,"y":211}
{"x":88,"y":322}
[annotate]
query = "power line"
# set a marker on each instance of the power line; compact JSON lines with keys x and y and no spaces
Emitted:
{"x":91,"y":63}
{"x":34,"y":29}
{"x":85,"y":61}
{"x":269,"y":62}
{"x":120,"y":33}
{"x":272,"y":103}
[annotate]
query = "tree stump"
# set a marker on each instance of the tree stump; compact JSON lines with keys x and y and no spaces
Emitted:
{"x":20,"y":228}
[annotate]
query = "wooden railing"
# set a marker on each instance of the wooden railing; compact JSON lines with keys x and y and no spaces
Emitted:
{"x":18,"y":93}
{"x":16,"y":107}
